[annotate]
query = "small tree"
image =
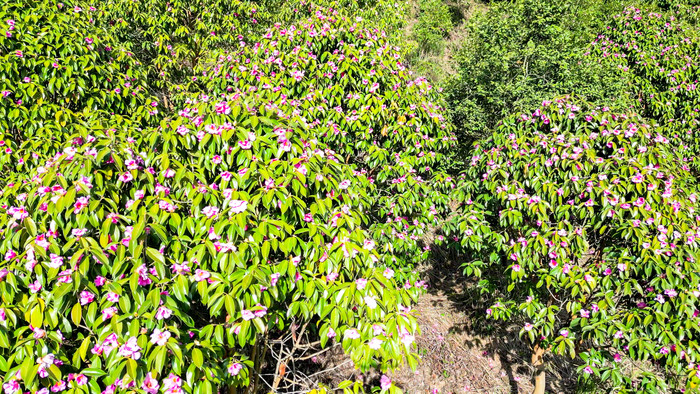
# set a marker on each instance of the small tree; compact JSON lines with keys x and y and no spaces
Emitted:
{"x":581,"y":225}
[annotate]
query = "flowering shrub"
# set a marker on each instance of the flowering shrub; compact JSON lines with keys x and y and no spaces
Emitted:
{"x":59,"y":72}
{"x":139,"y":260}
{"x":656,"y":54}
{"x":582,"y":226}
{"x":171,"y":38}
{"x":352,"y":89}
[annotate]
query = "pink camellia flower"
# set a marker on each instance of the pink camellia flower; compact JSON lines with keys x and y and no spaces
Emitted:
{"x":385,"y":382}
{"x":100,"y":281}
{"x":247,"y":315}
{"x":130,"y":349}
{"x":260,"y":312}
{"x":274,"y":278}
{"x":11,"y":254}
{"x":564,"y":333}
{"x":126,"y":177}
{"x":375,"y":343}
{"x":35,"y":287}
{"x":150,"y":385}
{"x":361,"y":283}
{"x":331,"y":333}
{"x":166,"y":206}
{"x":159,"y":337}
{"x":108,"y":313}
{"x":169,"y":173}
{"x":56,"y":261}
{"x":81,"y":379}
{"x":210,"y":212}
{"x":200,"y":275}
{"x":388,"y":273}
{"x":78,"y":232}
{"x":11,"y":387}
{"x":234,"y":369}
{"x":172,"y":384}
{"x":86,"y":297}
{"x":245,"y":144}
{"x":80,"y":204}
{"x":58,"y":386}
{"x":344,"y":184}
{"x":112,"y":297}
{"x":528,"y":327}
{"x":238,"y":206}
{"x":352,"y":334}
{"x":163,"y":313}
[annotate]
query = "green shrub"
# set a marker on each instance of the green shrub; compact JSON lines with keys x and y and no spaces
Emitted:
{"x":58,"y":71}
{"x":172,"y":37}
{"x":517,"y":54}
{"x":354,"y":91}
{"x":581,"y":226}
{"x":141,"y":258}
{"x":657,"y":54}
{"x":220,"y":228}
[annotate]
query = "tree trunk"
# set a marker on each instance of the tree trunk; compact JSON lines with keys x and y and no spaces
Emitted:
{"x":538,"y":363}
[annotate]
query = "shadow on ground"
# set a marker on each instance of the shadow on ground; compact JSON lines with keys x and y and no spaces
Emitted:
{"x":461,"y":351}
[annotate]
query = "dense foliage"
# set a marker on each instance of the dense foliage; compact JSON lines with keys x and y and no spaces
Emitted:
{"x":657,"y":54}
{"x":185,"y":184}
{"x":581,"y":224}
{"x":147,"y":257}
{"x":58,"y":71}
{"x":177,"y":260}
{"x":352,"y":88}
{"x":518,"y":53}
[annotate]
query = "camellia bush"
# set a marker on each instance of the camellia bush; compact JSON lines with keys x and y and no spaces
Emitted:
{"x":351,"y":87}
{"x":59,"y":72}
{"x":655,"y":52}
{"x":142,"y":257}
{"x":164,"y":259}
{"x":581,"y":226}
{"x":172,"y":37}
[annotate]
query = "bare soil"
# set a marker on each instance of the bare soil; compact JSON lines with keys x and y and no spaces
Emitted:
{"x":460,"y":351}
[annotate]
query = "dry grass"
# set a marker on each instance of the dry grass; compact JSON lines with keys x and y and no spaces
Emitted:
{"x":439,"y":66}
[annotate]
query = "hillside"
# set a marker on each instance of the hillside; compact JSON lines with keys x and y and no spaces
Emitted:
{"x":340,"y":196}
